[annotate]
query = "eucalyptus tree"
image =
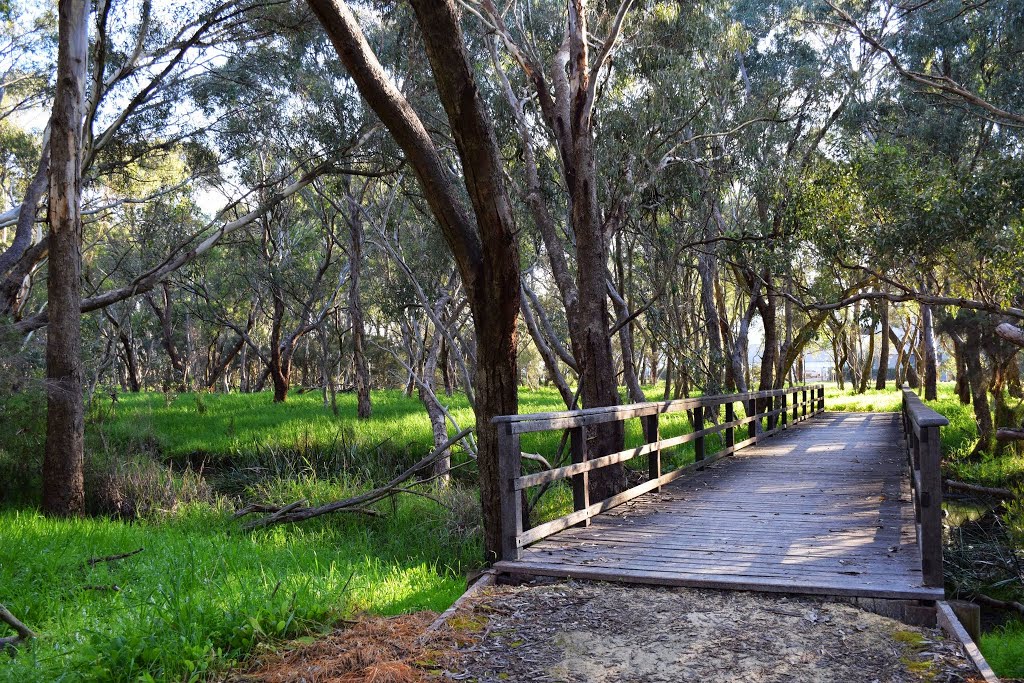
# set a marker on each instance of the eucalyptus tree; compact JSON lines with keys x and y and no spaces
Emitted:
{"x":63,"y":486}
{"x":479,"y":231}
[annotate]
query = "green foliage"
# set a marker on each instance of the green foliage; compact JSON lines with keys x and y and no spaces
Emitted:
{"x":1004,"y":649}
{"x":202,"y":593}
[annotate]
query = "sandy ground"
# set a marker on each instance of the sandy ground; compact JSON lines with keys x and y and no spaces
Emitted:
{"x":600,"y":632}
{"x":590,"y":632}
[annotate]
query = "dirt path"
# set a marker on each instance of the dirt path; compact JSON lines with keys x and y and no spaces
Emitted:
{"x":601,"y":632}
{"x":590,"y":632}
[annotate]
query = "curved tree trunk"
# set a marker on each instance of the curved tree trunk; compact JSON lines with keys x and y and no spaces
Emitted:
{"x":486,"y":250}
{"x":865,"y":374}
{"x":979,"y":391}
{"x":280,"y":366}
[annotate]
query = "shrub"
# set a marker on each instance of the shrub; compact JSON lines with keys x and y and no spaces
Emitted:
{"x":141,"y":487}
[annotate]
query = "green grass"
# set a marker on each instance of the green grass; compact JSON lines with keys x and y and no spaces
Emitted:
{"x":1004,"y":649}
{"x":203,"y":593}
{"x":213,"y":427}
{"x":222,"y":425}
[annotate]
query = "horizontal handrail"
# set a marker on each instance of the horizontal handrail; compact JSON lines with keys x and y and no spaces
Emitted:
{"x":921,"y":427}
{"x":772,"y":406}
{"x":921,"y":414}
{"x":567,"y":419}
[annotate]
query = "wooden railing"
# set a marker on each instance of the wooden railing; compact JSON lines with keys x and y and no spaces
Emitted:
{"x":921,"y":432}
{"x":777,"y":409}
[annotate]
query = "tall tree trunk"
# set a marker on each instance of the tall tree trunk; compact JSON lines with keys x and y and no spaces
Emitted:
{"x":592,"y":346}
{"x":10,"y":302}
{"x":165,"y":313}
{"x":707,"y":270}
{"x":438,"y":425}
{"x":355,"y":309}
{"x":766,"y":307}
{"x":549,"y":357}
{"x":63,"y":486}
{"x":931,"y":366}
{"x":280,"y":366}
{"x":486,"y":250}
{"x":883,"y":353}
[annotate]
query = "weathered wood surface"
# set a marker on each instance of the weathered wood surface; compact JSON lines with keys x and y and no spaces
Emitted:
{"x":823,"y":508}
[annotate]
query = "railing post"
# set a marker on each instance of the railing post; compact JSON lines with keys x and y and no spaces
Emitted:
{"x":730,"y":432}
{"x":821,"y":399}
{"x":796,"y":406}
{"x":751,"y":406}
{"x":930,"y":457}
{"x":784,"y":413}
{"x":698,"y":425}
{"x":803,"y":404}
{"x":509,"y":469}
{"x":651,"y":435}
{"x":580,"y":482}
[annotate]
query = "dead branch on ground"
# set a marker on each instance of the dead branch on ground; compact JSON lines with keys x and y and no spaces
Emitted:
{"x":24,"y":632}
{"x":983,"y":490}
{"x":295,"y":512}
{"x":112,"y":558}
{"x":985,"y":600}
{"x":1005,"y":434}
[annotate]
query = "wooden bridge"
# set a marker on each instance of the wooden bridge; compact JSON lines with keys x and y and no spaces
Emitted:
{"x":844,"y":504}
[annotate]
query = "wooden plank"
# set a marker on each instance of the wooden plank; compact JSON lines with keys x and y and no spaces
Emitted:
{"x":652,"y":435}
{"x":838,"y":587}
{"x":850,"y":577}
{"x":813,"y":545}
{"x":509,"y":467}
{"x":931,"y":507}
{"x":881,"y":561}
{"x":919,"y":413}
{"x":951,"y":624}
{"x":539,"y":422}
{"x":542,"y":530}
{"x":734,"y":565}
{"x":580,"y":482}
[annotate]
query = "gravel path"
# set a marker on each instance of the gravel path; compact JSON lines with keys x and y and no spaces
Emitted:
{"x":591,"y":632}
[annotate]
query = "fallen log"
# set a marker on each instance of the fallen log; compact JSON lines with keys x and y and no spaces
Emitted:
{"x":294,"y":512}
{"x":983,"y":490}
{"x":24,"y":632}
{"x":1011,"y":605}
{"x":1005,"y":434}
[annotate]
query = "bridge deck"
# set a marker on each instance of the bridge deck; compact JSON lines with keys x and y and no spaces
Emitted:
{"x":822,"y":508}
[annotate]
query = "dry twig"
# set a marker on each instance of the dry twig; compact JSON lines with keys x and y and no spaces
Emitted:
{"x":112,"y":558}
